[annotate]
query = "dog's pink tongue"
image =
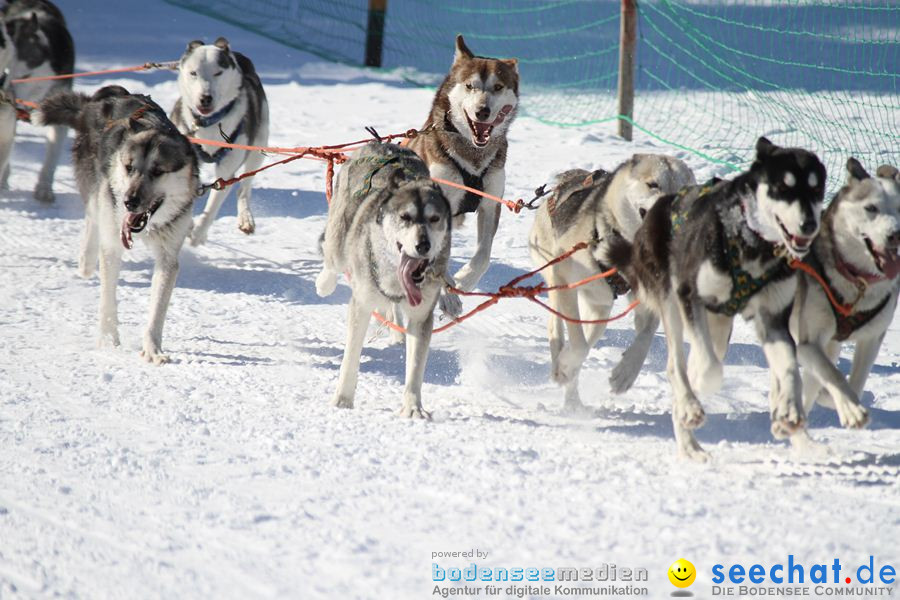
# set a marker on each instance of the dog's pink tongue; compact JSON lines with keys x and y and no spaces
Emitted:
{"x":131,"y":219}
{"x":890,"y":264}
{"x":408,"y":266}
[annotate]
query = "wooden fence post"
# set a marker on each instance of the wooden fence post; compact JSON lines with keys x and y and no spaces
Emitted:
{"x":375,"y":32}
{"x":627,"y":42}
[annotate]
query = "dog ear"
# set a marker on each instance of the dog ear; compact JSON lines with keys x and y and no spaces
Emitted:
{"x":462,"y":51}
{"x":764,"y":147}
{"x":193,"y":45}
{"x":512,"y":62}
{"x":855,"y":171}
{"x":222,"y":44}
{"x":888,"y":172}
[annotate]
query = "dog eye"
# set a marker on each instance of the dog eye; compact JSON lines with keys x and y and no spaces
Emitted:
{"x":406,"y":218}
{"x":469,"y":87}
{"x":156,"y":173}
{"x":193,"y":73}
{"x":871,"y":209}
{"x":128,"y":168}
{"x":217,"y":74}
{"x":498,"y":87}
{"x":434,"y":219}
{"x":653,"y":185}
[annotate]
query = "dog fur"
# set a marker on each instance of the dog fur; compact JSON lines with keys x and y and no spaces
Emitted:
{"x":600,"y":207}
{"x":856,"y":255}
{"x":222,"y":97}
{"x":388,"y":229}
{"x":466,"y":144}
{"x":43,"y":47}
{"x":8,"y":117}
{"x":708,"y":253}
{"x":137,"y":175}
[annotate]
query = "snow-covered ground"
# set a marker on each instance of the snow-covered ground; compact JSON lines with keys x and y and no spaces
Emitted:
{"x":227,"y":474}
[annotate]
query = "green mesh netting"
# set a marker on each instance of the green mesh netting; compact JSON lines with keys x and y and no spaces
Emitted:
{"x":712,"y":75}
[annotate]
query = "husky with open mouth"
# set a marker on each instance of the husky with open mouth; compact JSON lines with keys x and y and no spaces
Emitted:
{"x":711,"y":252}
{"x":600,"y":208}
{"x":388,"y":230}
{"x":856,"y":256}
{"x":137,"y":176}
{"x":222,"y":99}
{"x":466,"y":144}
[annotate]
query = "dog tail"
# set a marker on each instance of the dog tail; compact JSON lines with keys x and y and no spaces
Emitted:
{"x":63,"y":108}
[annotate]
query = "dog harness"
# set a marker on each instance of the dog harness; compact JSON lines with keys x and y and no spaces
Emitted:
{"x":743,"y":284}
{"x":200,"y":121}
{"x":846,"y":324}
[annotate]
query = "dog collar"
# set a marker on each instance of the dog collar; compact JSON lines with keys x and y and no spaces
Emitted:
{"x":217,"y":156}
{"x":206,"y":120}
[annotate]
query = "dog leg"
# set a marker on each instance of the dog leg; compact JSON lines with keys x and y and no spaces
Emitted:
{"x":110,"y":263}
{"x":7,"y":138}
{"x":623,"y":374}
{"x":592,"y":334}
{"x":720,"y":327}
{"x":358,"y":317}
{"x":488,"y":220}
{"x":204,"y":221}
{"x":785,"y":395}
{"x":863,"y":359}
{"x":816,"y":364}
{"x":165,"y":271}
{"x":396,"y":315}
{"x":418,"y":339}
{"x":687,"y":413}
{"x":704,"y":366}
{"x":566,"y":302}
{"x":326,"y":282}
{"x":56,"y":137}
{"x":90,"y":242}
{"x":801,"y":442}
{"x":244,"y":216}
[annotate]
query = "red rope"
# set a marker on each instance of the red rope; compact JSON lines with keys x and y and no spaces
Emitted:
{"x":845,"y":310}
{"x":144,"y":67}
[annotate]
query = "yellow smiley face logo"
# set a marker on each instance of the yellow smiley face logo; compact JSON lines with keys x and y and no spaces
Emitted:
{"x":682,"y":573}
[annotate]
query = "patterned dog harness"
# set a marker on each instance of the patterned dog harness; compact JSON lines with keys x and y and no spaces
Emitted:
{"x":743,"y":284}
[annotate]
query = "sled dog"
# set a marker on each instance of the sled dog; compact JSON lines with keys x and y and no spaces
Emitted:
{"x":466,"y":144}
{"x":711,"y":252}
{"x":222,"y":99}
{"x":599,"y":207}
{"x":855,"y":255}
{"x":137,"y":175}
{"x":388,"y":229}
{"x":43,"y":47}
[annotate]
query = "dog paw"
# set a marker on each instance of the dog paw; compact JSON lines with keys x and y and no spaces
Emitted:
{"x":342,"y":401}
{"x":853,"y":415}
{"x":109,"y":337}
{"x":450,"y":305}
{"x":414,"y":411}
{"x":155,"y":357}
{"x":43,"y":192}
{"x":805,"y":448}
{"x":694,"y":452}
{"x":690,"y":414}
{"x":787,"y":419}
{"x":246,"y":222}
{"x":705,"y":375}
{"x":86,"y":268}
{"x":326,"y":282}
{"x":566,"y":367}
{"x":624,"y":374}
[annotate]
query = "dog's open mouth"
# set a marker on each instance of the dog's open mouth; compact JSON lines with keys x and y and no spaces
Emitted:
{"x":481,"y":131}
{"x":412,"y":274}
{"x":797,"y":244}
{"x":886,"y":260}
{"x":136,"y":222}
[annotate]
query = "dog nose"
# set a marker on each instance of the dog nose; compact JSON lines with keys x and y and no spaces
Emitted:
{"x":205,"y":100}
{"x":894,"y":239}
{"x":808,"y":227}
{"x":132,"y":202}
{"x":423,"y":246}
{"x":483,"y":113}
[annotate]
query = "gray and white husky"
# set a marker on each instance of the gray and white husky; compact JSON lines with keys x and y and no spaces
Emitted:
{"x":43,"y":47}
{"x":601,"y":208}
{"x":711,"y":252}
{"x":466,"y":144}
{"x":222,"y":98}
{"x":856,"y":256}
{"x":388,"y":230}
{"x":137,"y":176}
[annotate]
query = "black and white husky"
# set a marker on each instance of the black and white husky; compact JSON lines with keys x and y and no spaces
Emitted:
{"x":222,"y":98}
{"x":388,"y":230}
{"x":43,"y":48}
{"x":600,"y":208}
{"x":711,"y":252}
{"x":137,"y":176}
{"x":856,"y":256}
{"x":466,"y":144}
